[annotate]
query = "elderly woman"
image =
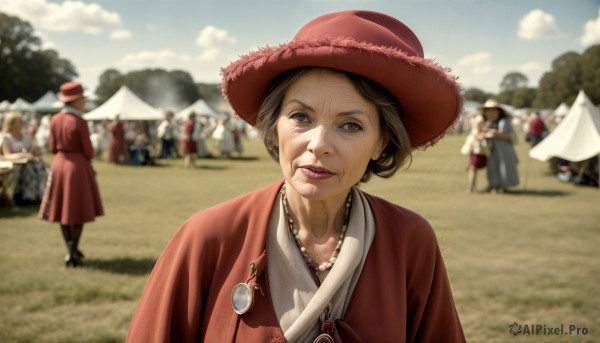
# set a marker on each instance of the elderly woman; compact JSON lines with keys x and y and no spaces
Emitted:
{"x":29,"y":170}
{"x":502,"y":162}
{"x":71,"y":197}
{"x":312,"y":258}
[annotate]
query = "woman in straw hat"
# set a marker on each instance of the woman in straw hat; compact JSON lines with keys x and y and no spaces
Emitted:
{"x":71,"y":197}
{"x":312,"y":258}
{"x":502,"y":160}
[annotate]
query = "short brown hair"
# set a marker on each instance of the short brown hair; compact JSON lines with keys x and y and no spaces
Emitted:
{"x":398,"y":148}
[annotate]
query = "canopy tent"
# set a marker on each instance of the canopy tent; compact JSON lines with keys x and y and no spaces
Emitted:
{"x":47,"y":103}
{"x":200,"y":107}
{"x":576,"y":138}
{"x":126,"y":104}
{"x":4,"y":105}
{"x":561,"y":110}
{"x":20,"y":105}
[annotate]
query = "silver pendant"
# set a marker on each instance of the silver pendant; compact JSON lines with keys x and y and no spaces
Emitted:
{"x":324,"y":338}
{"x":242,"y":298}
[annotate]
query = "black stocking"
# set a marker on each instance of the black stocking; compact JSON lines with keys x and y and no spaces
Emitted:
{"x":72,"y":235}
{"x":76,"y":231}
{"x":66,"y":232}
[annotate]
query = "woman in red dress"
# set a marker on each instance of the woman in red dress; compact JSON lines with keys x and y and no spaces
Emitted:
{"x":188,"y":144}
{"x":116,"y":147}
{"x":71,"y":197}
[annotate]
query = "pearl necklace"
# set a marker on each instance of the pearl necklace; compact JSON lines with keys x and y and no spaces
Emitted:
{"x":312,"y":264}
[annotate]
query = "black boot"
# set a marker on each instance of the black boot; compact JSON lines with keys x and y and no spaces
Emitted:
{"x":72,"y":259}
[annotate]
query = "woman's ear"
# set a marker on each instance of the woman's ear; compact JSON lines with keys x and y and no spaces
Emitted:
{"x":383,"y":142}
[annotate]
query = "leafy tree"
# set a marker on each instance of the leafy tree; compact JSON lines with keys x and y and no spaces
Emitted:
{"x":26,"y":70}
{"x":158,"y":87}
{"x":513,"y":81}
{"x":210,"y":92}
{"x":562,"y":83}
{"x":476,"y":94}
{"x":109,"y":83}
{"x":523,"y":97}
{"x":545,"y":94}
{"x":590,"y":73}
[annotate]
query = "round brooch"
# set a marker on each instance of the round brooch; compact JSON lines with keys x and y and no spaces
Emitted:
{"x":242,"y":298}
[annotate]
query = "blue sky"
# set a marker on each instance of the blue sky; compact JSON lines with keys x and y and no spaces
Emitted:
{"x":481,"y":40}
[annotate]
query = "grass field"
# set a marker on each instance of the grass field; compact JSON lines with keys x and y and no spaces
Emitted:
{"x":530,"y":256}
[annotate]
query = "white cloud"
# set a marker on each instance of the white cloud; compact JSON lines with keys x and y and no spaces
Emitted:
{"x":538,"y":24}
{"x":591,"y":32}
{"x":65,"y":16}
{"x":533,"y":71}
{"x":210,"y":36}
{"x":210,"y":54}
{"x":532,"y":67}
{"x":475,"y":70}
{"x":120,"y":34}
{"x":46,"y":42}
{"x":150,"y":27}
{"x":477,"y":63}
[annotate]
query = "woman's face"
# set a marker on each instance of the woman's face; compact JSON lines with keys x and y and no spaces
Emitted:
{"x":17,"y":125}
{"x":492,"y":114}
{"x":327,"y":133}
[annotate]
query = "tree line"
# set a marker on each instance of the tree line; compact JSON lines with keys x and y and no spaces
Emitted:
{"x":28,"y":71}
{"x":570,"y":73}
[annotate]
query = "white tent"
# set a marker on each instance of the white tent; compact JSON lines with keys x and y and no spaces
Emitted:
{"x":200,"y":107}
{"x":4,"y":105}
{"x":47,"y":103}
{"x":126,"y":104}
{"x":20,"y":105}
{"x":576,"y":138}
{"x":561,"y":110}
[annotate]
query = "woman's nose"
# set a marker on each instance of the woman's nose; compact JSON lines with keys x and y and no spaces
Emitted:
{"x":320,"y":141}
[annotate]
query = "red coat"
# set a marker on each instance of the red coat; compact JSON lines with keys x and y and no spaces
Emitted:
{"x":188,"y":144}
{"x":116,"y":146}
{"x":402,"y":295}
{"x":72,"y":197}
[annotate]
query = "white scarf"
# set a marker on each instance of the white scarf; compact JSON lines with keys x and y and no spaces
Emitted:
{"x":298,"y":302}
{"x":69,"y":109}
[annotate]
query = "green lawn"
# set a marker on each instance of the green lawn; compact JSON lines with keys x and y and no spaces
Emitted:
{"x":531,"y":256}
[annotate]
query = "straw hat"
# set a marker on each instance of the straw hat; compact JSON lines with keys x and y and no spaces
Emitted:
{"x":70,"y":91}
{"x":493,"y":103}
{"x":370,"y":44}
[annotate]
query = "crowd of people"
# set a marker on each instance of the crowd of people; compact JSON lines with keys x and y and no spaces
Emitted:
{"x":24,"y":137}
{"x":142,"y":142}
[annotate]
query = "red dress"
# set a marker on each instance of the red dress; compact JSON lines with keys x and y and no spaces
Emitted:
{"x":116,"y":147}
{"x":71,"y":195}
{"x":189,"y":144}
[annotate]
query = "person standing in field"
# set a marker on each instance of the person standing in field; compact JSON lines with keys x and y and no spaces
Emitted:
{"x":71,"y":197}
{"x":502,"y":161}
{"x":475,"y":147}
{"x":166,"y":133}
{"x":117,"y":153}
{"x":188,"y":144}
{"x":537,"y":129}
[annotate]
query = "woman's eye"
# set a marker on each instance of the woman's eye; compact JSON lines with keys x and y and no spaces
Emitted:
{"x":351,"y":126}
{"x":299,"y":117}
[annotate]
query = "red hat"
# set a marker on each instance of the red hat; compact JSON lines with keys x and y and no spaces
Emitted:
{"x":70,"y":91}
{"x":370,"y":44}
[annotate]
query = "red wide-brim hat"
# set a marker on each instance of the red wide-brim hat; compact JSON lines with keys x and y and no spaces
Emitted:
{"x":370,"y":44}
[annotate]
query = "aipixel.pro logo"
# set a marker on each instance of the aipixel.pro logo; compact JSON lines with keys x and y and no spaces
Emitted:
{"x":547,"y":330}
